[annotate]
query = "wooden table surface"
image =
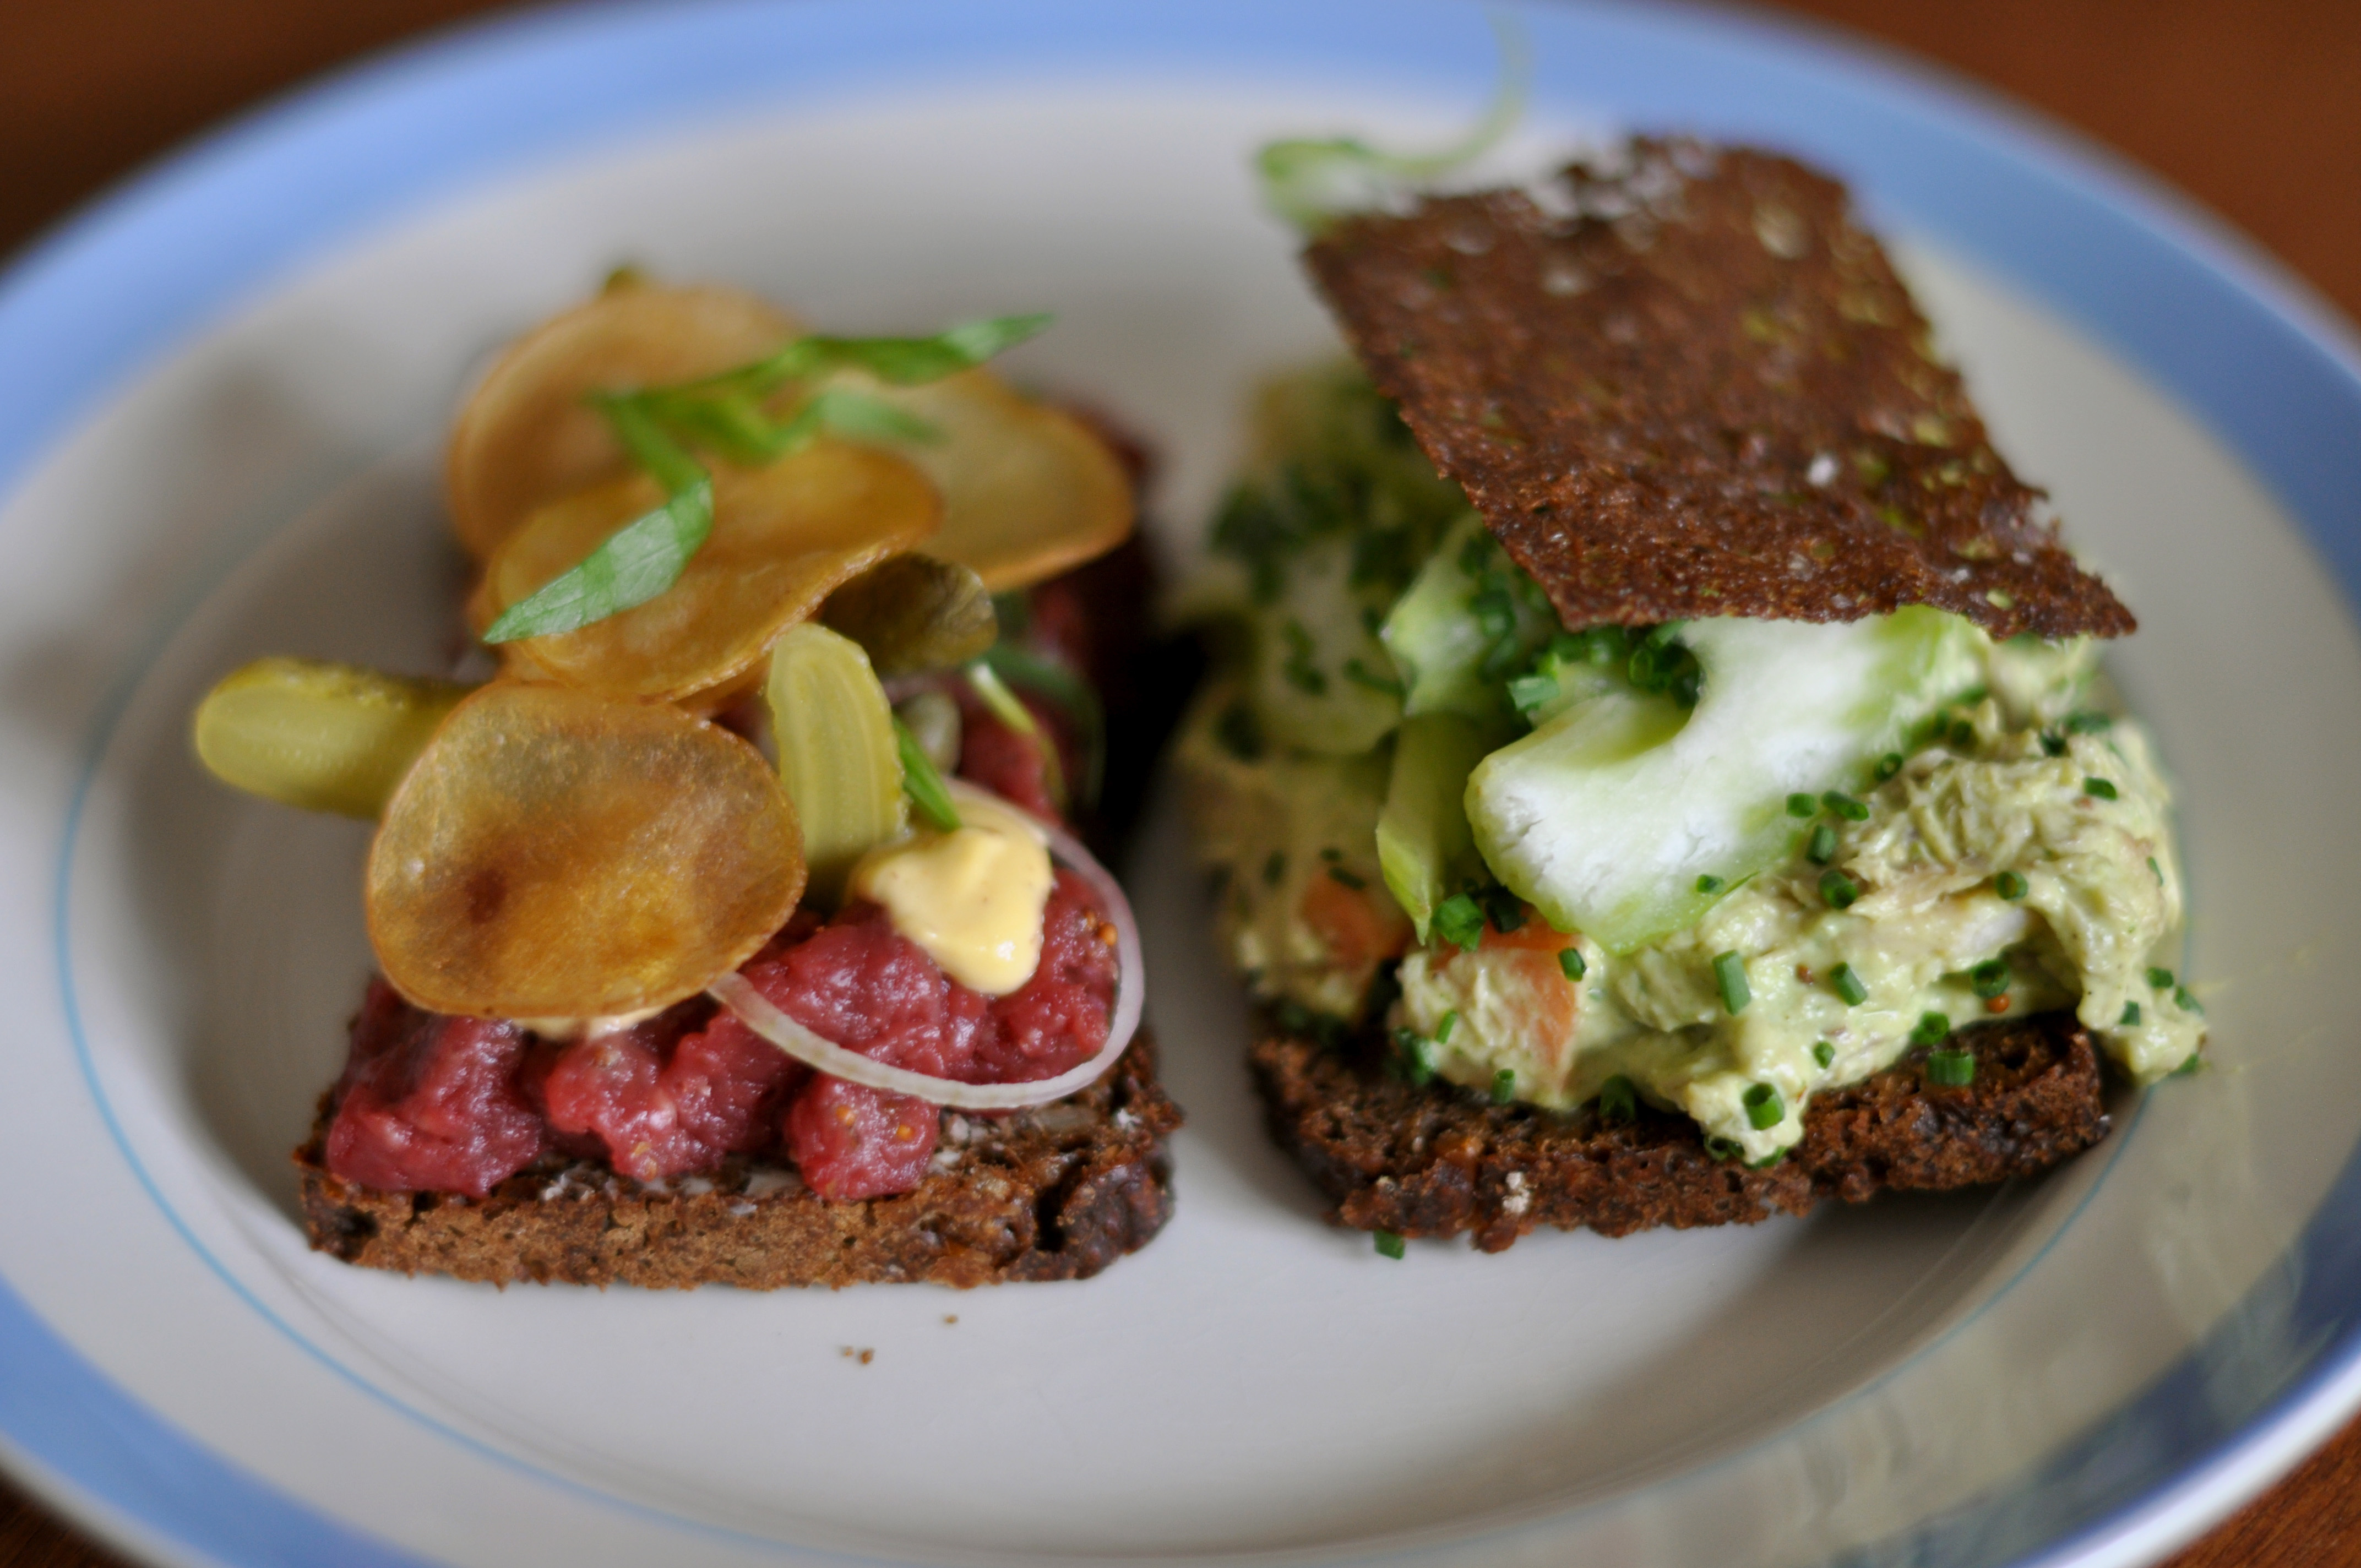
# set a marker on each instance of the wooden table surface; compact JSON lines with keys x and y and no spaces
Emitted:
{"x":2252,"y":106}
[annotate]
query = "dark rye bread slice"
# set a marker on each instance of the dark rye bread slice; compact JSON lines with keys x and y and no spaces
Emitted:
{"x":1435,"y":1161}
{"x":1056,"y":1192}
{"x":1704,"y":391}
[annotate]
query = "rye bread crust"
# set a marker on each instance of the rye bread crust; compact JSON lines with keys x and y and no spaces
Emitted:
{"x":1437,"y":1160}
{"x":1703,"y":391}
{"x":1056,"y":1192}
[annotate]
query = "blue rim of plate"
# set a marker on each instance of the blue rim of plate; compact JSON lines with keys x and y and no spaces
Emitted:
{"x":2200,"y":313}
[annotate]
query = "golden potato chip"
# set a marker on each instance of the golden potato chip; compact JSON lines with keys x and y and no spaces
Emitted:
{"x":558,"y":854}
{"x":1028,"y":492}
{"x":525,"y":437}
{"x":784,"y":537}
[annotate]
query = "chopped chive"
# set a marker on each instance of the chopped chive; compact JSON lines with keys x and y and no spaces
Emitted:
{"x":1504,"y":1086}
{"x":2156,"y":871}
{"x":2190,"y":1064}
{"x":2099,"y":787}
{"x":1571,"y":961}
{"x":1824,"y":1053}
{"x":1848,"y":986}
{"x":1800,"y":804}
{"x":1274,"y":870}
{"x":1845,"y":806}
{"x":1951,"y":1069}
{"x":1963,"y":735}
{"x":1503,"y":908}
{"x":1360,"y":674}
{"x":1389,"y":1244}
{"x":1729,"y":973}
{"x":1348,"y":879}
{"x":1822,"y":848}
{"x":1990,"y":978}
{"x":2185,"y":1002}
{"x":1932,"y":1028}
{"x":2130,"y":1020}
{"x":1457,"y":920}
{"x":1618,"y":1100}
{"x":1414,"y":1056}
{"x":2052,"y":745}
{"x":1887,"y":766}
{"x":923,"y":784}
{"x":1838,"y":890}
{"x":1442,"y":1030}
{"x":1527,"y":693}
{"x":2088,"y":723}
{"x":1767,"y":1161}
{"x":2160,"y":978}
{"x":1710,"y":884}
{"x":2009,"y":885}
{"x":1723,"y":1149}
{"x":1764,"y":1109}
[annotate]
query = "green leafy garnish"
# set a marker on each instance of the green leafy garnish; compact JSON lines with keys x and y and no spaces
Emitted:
{"x":659,"y":426}
{"x":923,"y":784}
{"x":1310,"y":182}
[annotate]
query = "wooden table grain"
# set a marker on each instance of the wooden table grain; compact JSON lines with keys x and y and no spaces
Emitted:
{"x":2252,"y":106}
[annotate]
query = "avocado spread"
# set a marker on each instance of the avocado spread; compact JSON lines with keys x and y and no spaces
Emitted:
{"x":1721,"y":865}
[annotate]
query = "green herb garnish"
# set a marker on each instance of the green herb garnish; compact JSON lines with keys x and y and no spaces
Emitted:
{"x":659,"y":427}
{"x":1801,"y":804}
{"x":1990,"y":978}
{"x":923,"y":784}
{"x":1442,"y":1030}
{"x":1710,"y":884}
{"x":1571,"y":963}
{"x":1312,"y":181}
{"x":1618,"y":1100}
{"x":1823,"y":1052}
{"x":1504,"y":1086}
{"x":1845,"y":806}
{"x":2130,"y":1020}
{"x":2009,"y":885}
{"x":1729,"y":974}
{"x":1764,"y":1109}
{"x":1848,"y":986}
{"x":1951,"y":1069}
{"x":1458,"y":920}
{"x":1389,"y":1244}
{"x":1932,"y":1028}
{"x":2102,"y":788}
{"x":1821,"y":848}
{"x":1838,"y":890}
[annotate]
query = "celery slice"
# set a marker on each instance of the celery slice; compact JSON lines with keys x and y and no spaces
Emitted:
{"x":1424,"y":845}
{"x":1450,"y":658}
{"x":1606,"y":816}
{"x":320,"y":736}
{"x":839,"y":756}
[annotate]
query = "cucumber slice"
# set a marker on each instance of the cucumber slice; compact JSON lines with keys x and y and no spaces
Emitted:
{"x":839,"y":757}
{"x":1469,"y":619}
{"x":1606,"y":816}
{"x":1424,"y":845}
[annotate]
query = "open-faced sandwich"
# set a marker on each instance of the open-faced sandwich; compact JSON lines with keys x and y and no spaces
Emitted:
{"x":735,"y":930}
{"x":1657,"y":774}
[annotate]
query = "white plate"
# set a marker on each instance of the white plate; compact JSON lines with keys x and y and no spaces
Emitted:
{"x":216,"y":439}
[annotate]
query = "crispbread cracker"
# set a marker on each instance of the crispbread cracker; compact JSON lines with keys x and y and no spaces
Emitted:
{"x":1707,"y":393}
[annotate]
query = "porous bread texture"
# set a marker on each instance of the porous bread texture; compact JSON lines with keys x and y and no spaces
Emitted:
{"x":1058,"y":1191}
{"x":1703,"y":392}
{"x":1439,"y":1160}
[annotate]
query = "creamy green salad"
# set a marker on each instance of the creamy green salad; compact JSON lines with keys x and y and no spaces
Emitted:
{"x":1717,"y":866}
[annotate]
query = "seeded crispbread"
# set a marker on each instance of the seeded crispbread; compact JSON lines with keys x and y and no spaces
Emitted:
{"x":1438,"y":1160}
{"x":1705,"y":392}
{"x":1056,"y":1192}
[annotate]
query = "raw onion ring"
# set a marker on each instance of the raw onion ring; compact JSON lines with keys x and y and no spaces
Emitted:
{"x":754,"y":1010}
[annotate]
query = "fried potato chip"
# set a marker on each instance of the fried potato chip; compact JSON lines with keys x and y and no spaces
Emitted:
{"x":784,"y":536}
{"x":1028,"y":492}
{"x":554,"y":853}
{"x":525,"y":437}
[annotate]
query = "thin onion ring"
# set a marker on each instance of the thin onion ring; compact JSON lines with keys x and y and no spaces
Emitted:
{"x":754,"y":1010}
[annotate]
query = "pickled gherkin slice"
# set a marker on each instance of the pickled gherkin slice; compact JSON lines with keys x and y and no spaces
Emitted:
{"x":915,"y":613}
{"x":320,"y":736}
{"x":837,"y":754}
